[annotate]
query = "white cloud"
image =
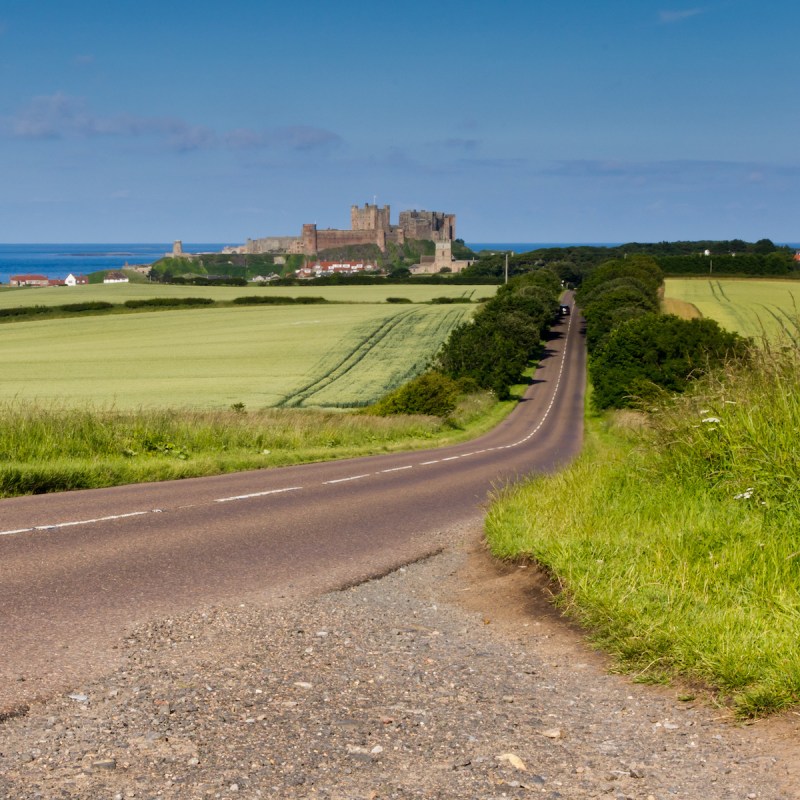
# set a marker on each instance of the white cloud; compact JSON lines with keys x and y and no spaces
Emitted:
{"x":668,"y":17}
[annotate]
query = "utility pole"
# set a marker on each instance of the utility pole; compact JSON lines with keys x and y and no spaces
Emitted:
{"x":506,"y":270}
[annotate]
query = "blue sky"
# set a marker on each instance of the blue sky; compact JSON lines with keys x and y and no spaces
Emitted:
{"x":538,"y":121}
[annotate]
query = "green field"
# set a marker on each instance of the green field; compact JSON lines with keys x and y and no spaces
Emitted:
{"x":751,"y":307}
{"x":262,"y":356}
{"x":119,"y":293}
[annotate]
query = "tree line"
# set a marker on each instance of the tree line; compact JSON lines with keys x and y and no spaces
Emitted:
{"x":491,"y":351}
{"x":634,"y":350}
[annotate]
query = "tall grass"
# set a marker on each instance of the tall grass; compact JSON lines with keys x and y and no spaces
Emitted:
{"x":677,"y":542}
{"x":49,"y":448}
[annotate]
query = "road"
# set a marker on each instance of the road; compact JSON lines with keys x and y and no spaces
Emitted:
{"x":78,"y":569}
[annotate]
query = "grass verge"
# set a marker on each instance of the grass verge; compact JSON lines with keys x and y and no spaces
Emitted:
{"x":674,"y":540}
{"x":51,"y":449}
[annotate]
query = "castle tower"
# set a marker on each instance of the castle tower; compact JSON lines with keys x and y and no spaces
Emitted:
{"x":444,"y":255}
{"x":369,"y":218}
{"x":309,"y":239}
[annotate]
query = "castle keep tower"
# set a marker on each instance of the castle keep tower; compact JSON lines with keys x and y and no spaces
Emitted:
{"x":369,"y":218}
{"x":433,"y":225}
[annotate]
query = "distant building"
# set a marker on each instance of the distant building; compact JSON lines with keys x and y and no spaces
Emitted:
{"x":177,"y":251}
{"x":323,"y":268}
{"x":76,"y":280}
{"x":28,"y":280}
{"x":115,"y":277}
{"x":368,"y":225}
{"x":442,"y":260}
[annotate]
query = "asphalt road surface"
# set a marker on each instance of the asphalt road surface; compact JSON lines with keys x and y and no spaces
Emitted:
{"x":79,"y":568}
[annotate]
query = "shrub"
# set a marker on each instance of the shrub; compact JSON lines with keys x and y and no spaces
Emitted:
{"x":449,"y":300}
{"x":276,"y":299}
{"x":431,"y":393}
{"x":89,"y":305}
{"x":397,"y":300}
{"x":169,"y":302}
{"x":261,"y":299}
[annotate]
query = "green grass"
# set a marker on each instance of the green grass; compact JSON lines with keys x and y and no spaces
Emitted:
{"x":675,"y":541}
{"x":749,"y":306}
{"x":119,"y":293}
{"x":52,"y":448}
{"x":377,"y":358}
{"x":261,"y":356}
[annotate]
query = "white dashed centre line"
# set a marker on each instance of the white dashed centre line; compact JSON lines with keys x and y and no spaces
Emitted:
{"x":258,"y":494}
{"x":351,"y":478}
{"x":58,"y":525}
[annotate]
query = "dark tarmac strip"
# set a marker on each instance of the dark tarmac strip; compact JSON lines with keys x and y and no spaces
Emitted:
{"x":78,"y":569}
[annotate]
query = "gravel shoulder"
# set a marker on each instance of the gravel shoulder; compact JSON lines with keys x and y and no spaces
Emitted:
{"x":448,"y":678}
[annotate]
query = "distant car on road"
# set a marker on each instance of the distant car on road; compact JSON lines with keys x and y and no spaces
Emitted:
{"x":564,"y":311}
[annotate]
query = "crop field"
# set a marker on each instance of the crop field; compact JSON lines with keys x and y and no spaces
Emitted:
{"x":751,"y":307}
{"x":375,"y":358}
{"x":119,"y":293}
{"x":261,"y":356}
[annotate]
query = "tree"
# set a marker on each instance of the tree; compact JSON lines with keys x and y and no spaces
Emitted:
{"x":658,"y":352}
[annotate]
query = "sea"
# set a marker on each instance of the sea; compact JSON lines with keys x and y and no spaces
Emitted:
{"x":56,"y":261}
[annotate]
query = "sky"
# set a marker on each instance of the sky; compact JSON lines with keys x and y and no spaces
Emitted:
{"x":531,"y":120}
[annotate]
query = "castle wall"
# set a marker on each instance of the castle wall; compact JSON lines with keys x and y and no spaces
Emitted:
{"x":271,"y":244}
{"x":327,"y":239}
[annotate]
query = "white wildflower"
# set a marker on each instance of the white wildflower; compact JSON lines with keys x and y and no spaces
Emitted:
{"x":745,"y":495}
{"x":705,"y":411}
{"x":712,"y":420}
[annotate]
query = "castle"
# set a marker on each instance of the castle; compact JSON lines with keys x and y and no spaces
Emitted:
{"x":368,"y":225}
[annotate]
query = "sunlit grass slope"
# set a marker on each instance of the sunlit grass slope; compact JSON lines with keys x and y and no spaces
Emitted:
{"x":749,"y":306}
{"x":212,"y":358}
{"x":677,"y":544}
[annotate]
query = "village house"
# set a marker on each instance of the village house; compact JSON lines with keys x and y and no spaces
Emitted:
{"x":28,"y":280}
{"x":322,"y":269}
{"x":76,"y":280}
{"x":115,"y":277}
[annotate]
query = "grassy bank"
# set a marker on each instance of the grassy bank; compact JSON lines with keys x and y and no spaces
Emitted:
{"x":49,"y":449}
{"x":674,"y":537}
